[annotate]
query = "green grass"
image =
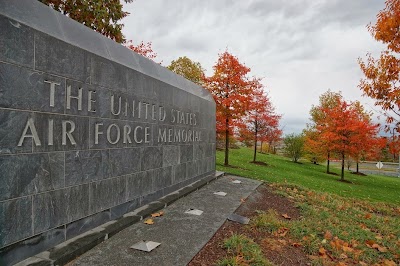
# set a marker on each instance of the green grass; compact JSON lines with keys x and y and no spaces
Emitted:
{"x":351,"y":223}
{"x":281,"y":170}
{"x":242,"y":251}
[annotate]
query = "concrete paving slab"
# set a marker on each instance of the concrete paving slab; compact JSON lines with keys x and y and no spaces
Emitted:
{"x":181,"y":235}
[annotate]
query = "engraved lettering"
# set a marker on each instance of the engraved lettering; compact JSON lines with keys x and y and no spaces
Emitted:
{"x":69,"y":97}
{"x":51,"y":133}
{"x":170,"y":132}
{"x":153,"y":112}
{"x":30,"y":125}
{"x":126,"y":108}
{"x":173,"y":116}
{"x":146,"y":135}
{"x":182,"y":118}
{"x":68,"y":132}
{"x":147,"y":109}
{"x":127,"y":131}
{"x":91,"y":101}
{"x":194,"y":118}
{"x":109,"y":134}
{"x":177,"y":136}
{"x":162,"y":113}
{"x":190,"y":135}
{"x":187,"y":118}
{"x":112,"y":105}
{"x":184,"y":135}
{"x":97,"y":132}
{"x":135,"y":134}
{"x":162,"y":135}
{"x":52,"y":91}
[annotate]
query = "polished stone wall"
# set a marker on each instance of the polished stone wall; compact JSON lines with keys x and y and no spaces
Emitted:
{"x":88,"y":130}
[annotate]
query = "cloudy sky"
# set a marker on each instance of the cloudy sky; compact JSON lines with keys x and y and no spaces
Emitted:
{"x":302,"y":48}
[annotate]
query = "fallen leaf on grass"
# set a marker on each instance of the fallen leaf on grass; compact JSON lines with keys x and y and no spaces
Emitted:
{"x":322,"y":253}
{"x":282,"y":232}
{"x":341,"y":264}
{"x":368,"y":216}
{"x":347,"y":248}
{"x":343,"y":256}
{"x":364,"y":227}
{"x":337,"y":243}
{"x":369,"y":243}
{"x":157,"y":214}
{"x":362,"y":263}
{"x":379,"y":248}
{"x":328,"y":235}
{"x":239,"y":259}
{"x":242,"y":200}
{"x":271,"y":244}
{"x":387,"y":262}
{"x":149,"y":221}
{"x":296,"y":245}
{"x":286,"y":216}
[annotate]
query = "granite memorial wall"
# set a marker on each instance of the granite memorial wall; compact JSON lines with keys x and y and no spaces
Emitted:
{"x":88,"y":130}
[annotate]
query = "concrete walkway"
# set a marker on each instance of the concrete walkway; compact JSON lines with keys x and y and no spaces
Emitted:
{"x":181,"y":235}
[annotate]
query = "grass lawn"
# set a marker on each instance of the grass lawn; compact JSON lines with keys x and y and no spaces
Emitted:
{"x":355,"y":223}
{"x":280,"y":170}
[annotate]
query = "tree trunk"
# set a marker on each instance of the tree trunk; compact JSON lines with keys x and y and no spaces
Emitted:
{"x":327,"y":163}
{"x":261,"y":146}
{"x":226,"y":142}
{"x":342,"y":174}
{"x":255,"y":142}
{"x":357,"y":168}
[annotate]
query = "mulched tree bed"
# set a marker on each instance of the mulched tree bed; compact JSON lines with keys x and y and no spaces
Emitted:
{"x":275,"y":249}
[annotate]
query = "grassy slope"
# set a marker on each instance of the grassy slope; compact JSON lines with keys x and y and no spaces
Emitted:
{"x":280,"y":169}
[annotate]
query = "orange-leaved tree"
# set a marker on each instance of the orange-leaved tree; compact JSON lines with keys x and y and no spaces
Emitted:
{"x":272,"y":135}
{"x":231,"y":90}
{"x":313,"y":149}
{"x":345,"y":129}
{"x":142,"y":48}
{"x":314,"y":144}
{"x":382,"y":75}
{"x":260,"y":118}
{"x":366,"y":138}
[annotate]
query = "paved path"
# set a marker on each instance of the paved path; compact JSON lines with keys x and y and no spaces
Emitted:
{"x":181,"y":235}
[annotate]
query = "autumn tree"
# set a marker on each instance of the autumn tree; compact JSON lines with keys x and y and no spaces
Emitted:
{"x":142,"y":48}
{"x":231,"y":91}
{"x":365,"y":138}
{"x":260,"y":117}
{"x":294,"y":144}
{"x":103,"y":16}
{"x":313,"y":150}
{"x":188,"y":69}
{"x":382,"y":75}
{"x":346,"y":130}
{"x":272,"y":135}
{"x":317,"y":145}
{"x":394,"y":146}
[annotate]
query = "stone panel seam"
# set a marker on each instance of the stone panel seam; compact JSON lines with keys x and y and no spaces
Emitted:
{"x":43,"y":72}
{"x":99,"y":117}
{"x":34,"y":50}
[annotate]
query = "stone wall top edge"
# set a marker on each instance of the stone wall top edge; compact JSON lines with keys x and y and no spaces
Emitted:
{"x":44,"y":19}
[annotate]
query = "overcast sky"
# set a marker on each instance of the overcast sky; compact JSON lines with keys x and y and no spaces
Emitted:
{"x":302,"y":48}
